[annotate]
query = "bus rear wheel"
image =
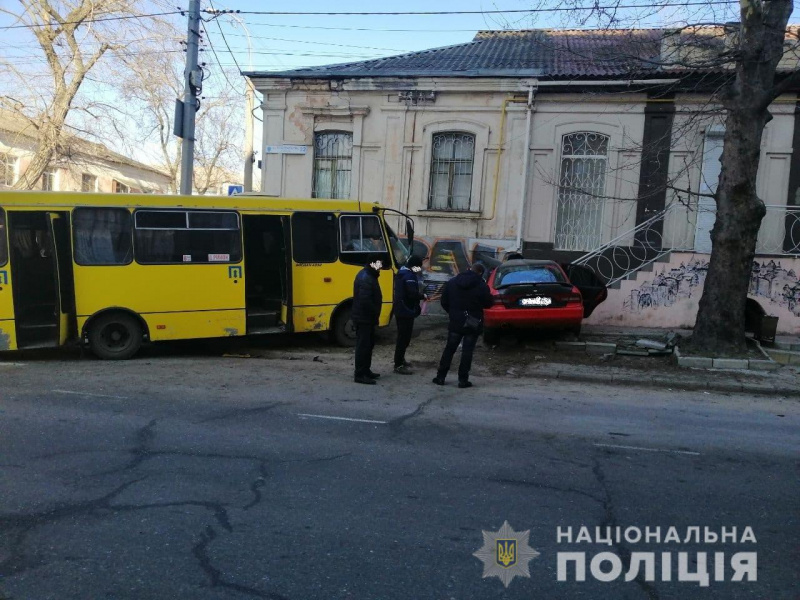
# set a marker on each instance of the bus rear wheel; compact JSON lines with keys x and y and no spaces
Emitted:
{"x":115,"y":336}
{"x":344,"y":330}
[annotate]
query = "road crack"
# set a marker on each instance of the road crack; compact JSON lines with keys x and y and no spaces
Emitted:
{"x":610,"y":521}
{"x":200,"y":552}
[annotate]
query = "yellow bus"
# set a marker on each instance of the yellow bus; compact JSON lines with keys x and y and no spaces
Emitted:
{"x":113,"y":271}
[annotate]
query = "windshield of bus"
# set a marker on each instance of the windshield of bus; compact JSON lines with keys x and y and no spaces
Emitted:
{"x":399,"y":249}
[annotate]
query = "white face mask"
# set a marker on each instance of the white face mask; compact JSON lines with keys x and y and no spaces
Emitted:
{"x":377,"y":265}
{"x":416,"y":269}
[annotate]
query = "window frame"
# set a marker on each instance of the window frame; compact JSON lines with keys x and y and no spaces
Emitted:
{"x":600,"y":198}
{"x":51,"y":174}
{"x":295,"y":240}
{"x":9,"y":161}
{"x":335,"y":192}
{"x":451,"y":163}
{"x":75,"y":231}
{"x":117,"y":184}
{"x":94,"y":183}
{"x":3,"y":238}
{"x":238,"y":258}
{"x":359,"y":257}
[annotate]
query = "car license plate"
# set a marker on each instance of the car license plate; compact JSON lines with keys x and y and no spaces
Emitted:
{"x":537,"y":301}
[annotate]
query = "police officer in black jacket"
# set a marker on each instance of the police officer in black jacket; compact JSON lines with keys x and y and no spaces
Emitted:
{"x":464,"y":298}
{"x":367,"y":302}
{"x":407,"y":296}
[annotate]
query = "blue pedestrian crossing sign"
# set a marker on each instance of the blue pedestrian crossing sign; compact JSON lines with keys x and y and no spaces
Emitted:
{"x":235,"y":189}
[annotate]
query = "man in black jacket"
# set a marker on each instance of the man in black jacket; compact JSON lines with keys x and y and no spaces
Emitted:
{"x":367,"y":303}
{"x":464,"y":298}
{"x":407,"y":296}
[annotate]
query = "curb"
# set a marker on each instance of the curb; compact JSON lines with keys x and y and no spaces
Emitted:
{"x":661,"y":382}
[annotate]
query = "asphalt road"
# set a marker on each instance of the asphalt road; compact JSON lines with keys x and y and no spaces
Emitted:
{"x":203,"y":477}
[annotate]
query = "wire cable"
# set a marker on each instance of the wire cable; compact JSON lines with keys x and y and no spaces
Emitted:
{"x":97,"y":20}
{"x":470,"y":12}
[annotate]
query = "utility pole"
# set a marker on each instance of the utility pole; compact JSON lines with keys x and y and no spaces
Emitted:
{"x":193,"y":84}
{"x":248,"y":136}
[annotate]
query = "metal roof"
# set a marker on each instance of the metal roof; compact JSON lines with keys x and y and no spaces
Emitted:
{"x":540,"y":53}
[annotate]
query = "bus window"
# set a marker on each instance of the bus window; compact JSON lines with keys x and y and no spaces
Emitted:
{"x":314,"y":237}
{"x":176,"y":236}
{"x":362,"y":234}
{"x":3,"y":242}
{"x":102,"y":236}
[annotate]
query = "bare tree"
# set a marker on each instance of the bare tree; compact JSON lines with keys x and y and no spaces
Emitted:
{"x":72,"y":36}
{"x":146,"y":96}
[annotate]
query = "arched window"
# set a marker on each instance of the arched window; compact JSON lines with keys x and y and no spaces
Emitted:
{"x":581,"y":191}
{"x":452,"y":160}
{"x":333,"y":161}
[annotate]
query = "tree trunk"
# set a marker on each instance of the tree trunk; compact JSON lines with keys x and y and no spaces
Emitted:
{"x":719,"y":328}
{"x":720,"y":319}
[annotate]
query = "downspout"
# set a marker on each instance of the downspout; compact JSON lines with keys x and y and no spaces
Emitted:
{"x":525,"y":169}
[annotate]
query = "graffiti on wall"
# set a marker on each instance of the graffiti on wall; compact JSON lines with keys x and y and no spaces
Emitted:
{"x":768,"y":280}
{"x":446,"y":257}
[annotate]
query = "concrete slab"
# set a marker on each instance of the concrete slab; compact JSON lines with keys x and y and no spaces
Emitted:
{"x":697,"y":362}
{"x":730,"y":363}
{"x":763,"y":365}
{"x":600,"y":348}
{"x":570,"y":345}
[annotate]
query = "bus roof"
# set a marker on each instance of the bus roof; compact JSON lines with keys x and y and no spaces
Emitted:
{"x":250,"y":201}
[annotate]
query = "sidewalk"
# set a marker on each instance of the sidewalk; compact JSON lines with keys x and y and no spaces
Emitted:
{"x":536,"y":356}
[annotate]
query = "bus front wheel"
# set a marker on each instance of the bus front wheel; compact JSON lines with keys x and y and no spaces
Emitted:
{"x":344,"y":330}
{"x":115,"y":336}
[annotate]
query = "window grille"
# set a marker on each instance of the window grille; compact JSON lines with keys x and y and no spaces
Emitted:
{"x":8,"y":168}
{"x":451,"y":171}
{"x":333,"y":161}
{"x":581,"y":191}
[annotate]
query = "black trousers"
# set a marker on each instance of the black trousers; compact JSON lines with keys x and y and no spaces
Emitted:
{"x":365,"y":342}
{"x":405,"y":327}
{"x":453,"y":340}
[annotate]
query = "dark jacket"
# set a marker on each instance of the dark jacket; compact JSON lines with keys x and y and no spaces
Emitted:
{"x":367,"y":297}
{"x":406,"y":294}
{"x":466,"y":292}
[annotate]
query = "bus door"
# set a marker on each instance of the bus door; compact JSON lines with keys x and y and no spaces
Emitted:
{"x":267,"y":276}
{"x":67,"y":327}
{"x":35,"y":273}
{"x":7,"y":334}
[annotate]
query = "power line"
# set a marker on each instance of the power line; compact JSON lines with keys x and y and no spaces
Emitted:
{"x":468,"y":12}
{"x":296,"y":41}
{"x":216,"y":18}
{"x":98,"y":20}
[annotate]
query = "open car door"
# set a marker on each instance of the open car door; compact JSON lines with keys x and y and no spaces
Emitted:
{"x":590,"y":285}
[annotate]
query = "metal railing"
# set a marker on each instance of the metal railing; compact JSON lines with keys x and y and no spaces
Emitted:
{"x":674,"y":229}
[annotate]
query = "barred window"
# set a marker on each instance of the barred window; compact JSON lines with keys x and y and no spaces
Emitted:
{"x":8,"y":168}
{"x":581,"y":191}
{"x":88,"y":183}
{"x":451,"y":171}
{"x":48,"y":181}
{"x":333,"y":161}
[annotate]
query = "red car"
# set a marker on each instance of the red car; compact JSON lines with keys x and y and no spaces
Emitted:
{"x":540,"y":293}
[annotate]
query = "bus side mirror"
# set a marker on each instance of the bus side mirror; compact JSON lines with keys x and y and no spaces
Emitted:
{"x":410,"y":236}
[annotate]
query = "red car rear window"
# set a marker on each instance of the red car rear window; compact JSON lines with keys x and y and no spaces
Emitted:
{"x":526,"y":274}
